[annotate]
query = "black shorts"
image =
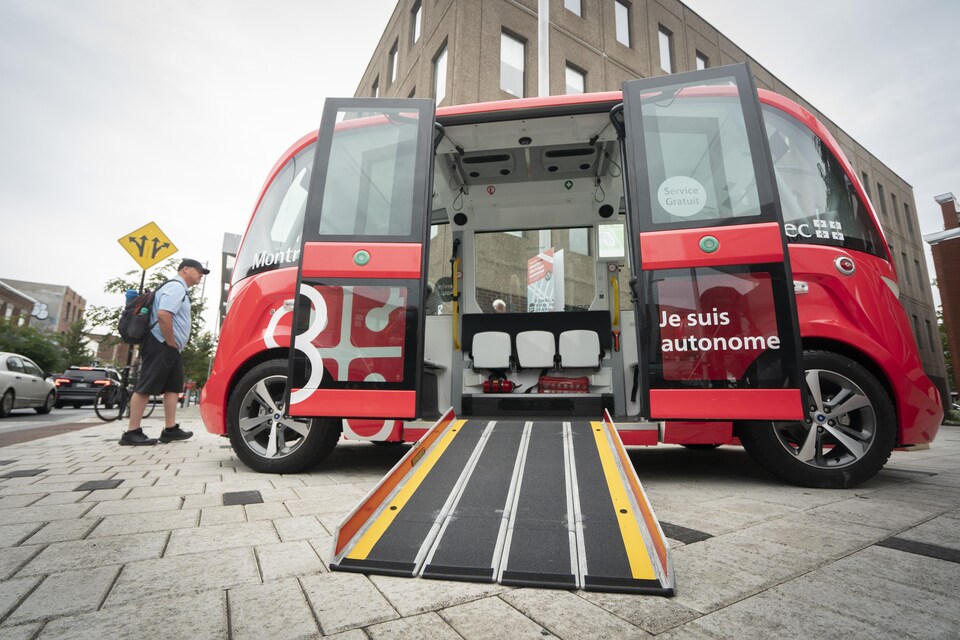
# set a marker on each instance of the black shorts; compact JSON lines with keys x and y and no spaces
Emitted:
{"x":162,"y":370}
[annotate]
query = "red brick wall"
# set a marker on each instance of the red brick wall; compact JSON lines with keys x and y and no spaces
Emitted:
{"x":946,"y":259}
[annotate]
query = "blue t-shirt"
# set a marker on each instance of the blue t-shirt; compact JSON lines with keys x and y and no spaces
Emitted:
{"x":173,"y":297}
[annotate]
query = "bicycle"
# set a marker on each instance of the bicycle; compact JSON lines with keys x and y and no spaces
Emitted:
{"x":113,"y":401}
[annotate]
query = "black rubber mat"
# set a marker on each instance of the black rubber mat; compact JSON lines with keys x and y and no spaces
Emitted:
{"x":395,"y":553}
{"x":522,"y":529}
{"x":469,"y":542}
{"x":540,"y":542}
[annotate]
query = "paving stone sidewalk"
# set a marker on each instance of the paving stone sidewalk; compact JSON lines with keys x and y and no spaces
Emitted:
{"x":183,"y":541}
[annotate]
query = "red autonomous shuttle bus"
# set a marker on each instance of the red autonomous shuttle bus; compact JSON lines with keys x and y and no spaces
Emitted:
{"x":692,"y":256}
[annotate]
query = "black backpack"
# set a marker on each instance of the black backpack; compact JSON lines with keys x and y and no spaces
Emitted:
{"x":134,"y":324}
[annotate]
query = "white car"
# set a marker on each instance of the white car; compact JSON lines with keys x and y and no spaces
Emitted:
{"x":23,"y":385}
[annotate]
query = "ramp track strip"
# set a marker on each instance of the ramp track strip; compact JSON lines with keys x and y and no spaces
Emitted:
{"x":544,"y":503}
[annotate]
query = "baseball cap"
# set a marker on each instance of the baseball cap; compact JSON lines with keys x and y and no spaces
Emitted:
{"x":190,"y":262}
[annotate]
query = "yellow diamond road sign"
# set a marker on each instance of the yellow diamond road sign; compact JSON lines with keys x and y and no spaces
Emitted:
{"x":147,"y":245}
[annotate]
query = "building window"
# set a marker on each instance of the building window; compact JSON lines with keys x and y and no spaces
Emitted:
{"x":893,"y":202}
{"x":413,"y":92}
{"x":573,"y":6}
{"x":933,"y":344}
{"x":576,"y":80}
{"x":666,"y":46}
{"x":882,"y":199}
{"x":916,"y":329}
{"x":903,"y":265}
{"x":375,"y":89}
{"x":622,"y":21}
{"x":440,"y":75}
{"x":919,"y":270}
{"x":906,"y":217}
{"x":416,"y":17}
{"x":512,"y":51}
{"x":392,"y":71}
{"x":703,"y":61}
{"x":866,"y":183}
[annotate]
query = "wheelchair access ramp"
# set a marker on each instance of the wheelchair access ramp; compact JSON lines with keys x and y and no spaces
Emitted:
{"x":545,"y":503}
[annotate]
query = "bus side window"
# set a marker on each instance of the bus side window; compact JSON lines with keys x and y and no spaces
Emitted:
{"x":273,"y":239}
{"x":820,"y":205}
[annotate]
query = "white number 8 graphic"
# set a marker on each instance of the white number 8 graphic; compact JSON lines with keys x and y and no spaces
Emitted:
{"x":304,"y":341}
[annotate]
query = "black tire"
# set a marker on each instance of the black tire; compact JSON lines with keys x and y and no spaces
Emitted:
{"x":847,"y":436}
{"x":77,"y":405}
{"x":47,"y":406}
{"x":58,"y":405}
{"x":701,"y":447}
{"x":261,"y":438}
{"x":106,"y":404}
{"x":6,"y":403}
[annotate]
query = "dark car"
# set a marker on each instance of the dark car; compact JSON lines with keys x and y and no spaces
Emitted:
{"x":78,"y":386}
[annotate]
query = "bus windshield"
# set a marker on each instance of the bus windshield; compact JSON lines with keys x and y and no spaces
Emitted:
{"x":273,"y":239}
{"x":820,"y":204}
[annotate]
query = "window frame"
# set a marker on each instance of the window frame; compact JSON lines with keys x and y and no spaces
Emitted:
{"x":571,"y":68}
{"x":416,"y":21}
{"x":665,"y":40}
{"x":882,"y":198}
{"x":440,"y":92}
{"x":509,"y":38}
{"x":392,"y":60}
{"x":622,"y":11}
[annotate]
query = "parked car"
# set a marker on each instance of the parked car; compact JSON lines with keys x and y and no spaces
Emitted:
{"x":24,"y":386}
{"x":78,"y":386}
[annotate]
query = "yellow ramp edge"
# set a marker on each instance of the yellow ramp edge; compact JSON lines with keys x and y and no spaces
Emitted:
{"x":393,"y":507}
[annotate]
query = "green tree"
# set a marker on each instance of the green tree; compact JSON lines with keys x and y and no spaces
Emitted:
{"x":74,"y":342}
{"x":107,"y":316}
{"x":196,"y":357}
{"x":945,"y":344}
{"x":40,"y":346}
{"x":200,"y":348}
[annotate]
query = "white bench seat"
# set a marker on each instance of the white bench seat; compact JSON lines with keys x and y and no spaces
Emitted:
{"x":580,"y":348}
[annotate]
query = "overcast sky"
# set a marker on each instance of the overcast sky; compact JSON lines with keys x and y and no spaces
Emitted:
{"x":115,"y":113}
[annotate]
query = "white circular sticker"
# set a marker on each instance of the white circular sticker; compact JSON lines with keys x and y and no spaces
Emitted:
{"x":682,"y":196}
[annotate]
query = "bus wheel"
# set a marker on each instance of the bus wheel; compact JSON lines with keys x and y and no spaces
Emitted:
{"x":847,"y":436}
{"x":262,"y":438}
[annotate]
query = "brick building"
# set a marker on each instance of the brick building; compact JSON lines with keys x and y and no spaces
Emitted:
{"x":57,"y":306}
{"x":15,"y":305}
{"x":945,"y":246}
{"x":465,"y":51}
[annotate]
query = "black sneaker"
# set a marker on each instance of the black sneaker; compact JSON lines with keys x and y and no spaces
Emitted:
{"x":136,"y":438}
{"x":174,"y":433}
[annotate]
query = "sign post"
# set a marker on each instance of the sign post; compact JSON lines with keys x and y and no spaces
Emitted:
{"x":147,"y":245}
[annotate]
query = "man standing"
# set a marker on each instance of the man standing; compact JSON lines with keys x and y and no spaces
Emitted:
{"x":162,"y":369}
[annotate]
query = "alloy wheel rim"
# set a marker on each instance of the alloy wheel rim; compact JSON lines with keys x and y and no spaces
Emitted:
{"x":264,"y":429}
{"x":840,"y":427}
{"x":7,"y":402}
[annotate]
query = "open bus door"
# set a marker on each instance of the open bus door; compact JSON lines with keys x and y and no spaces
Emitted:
{"x":716,"y":313}
{"x":358,"y":316}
